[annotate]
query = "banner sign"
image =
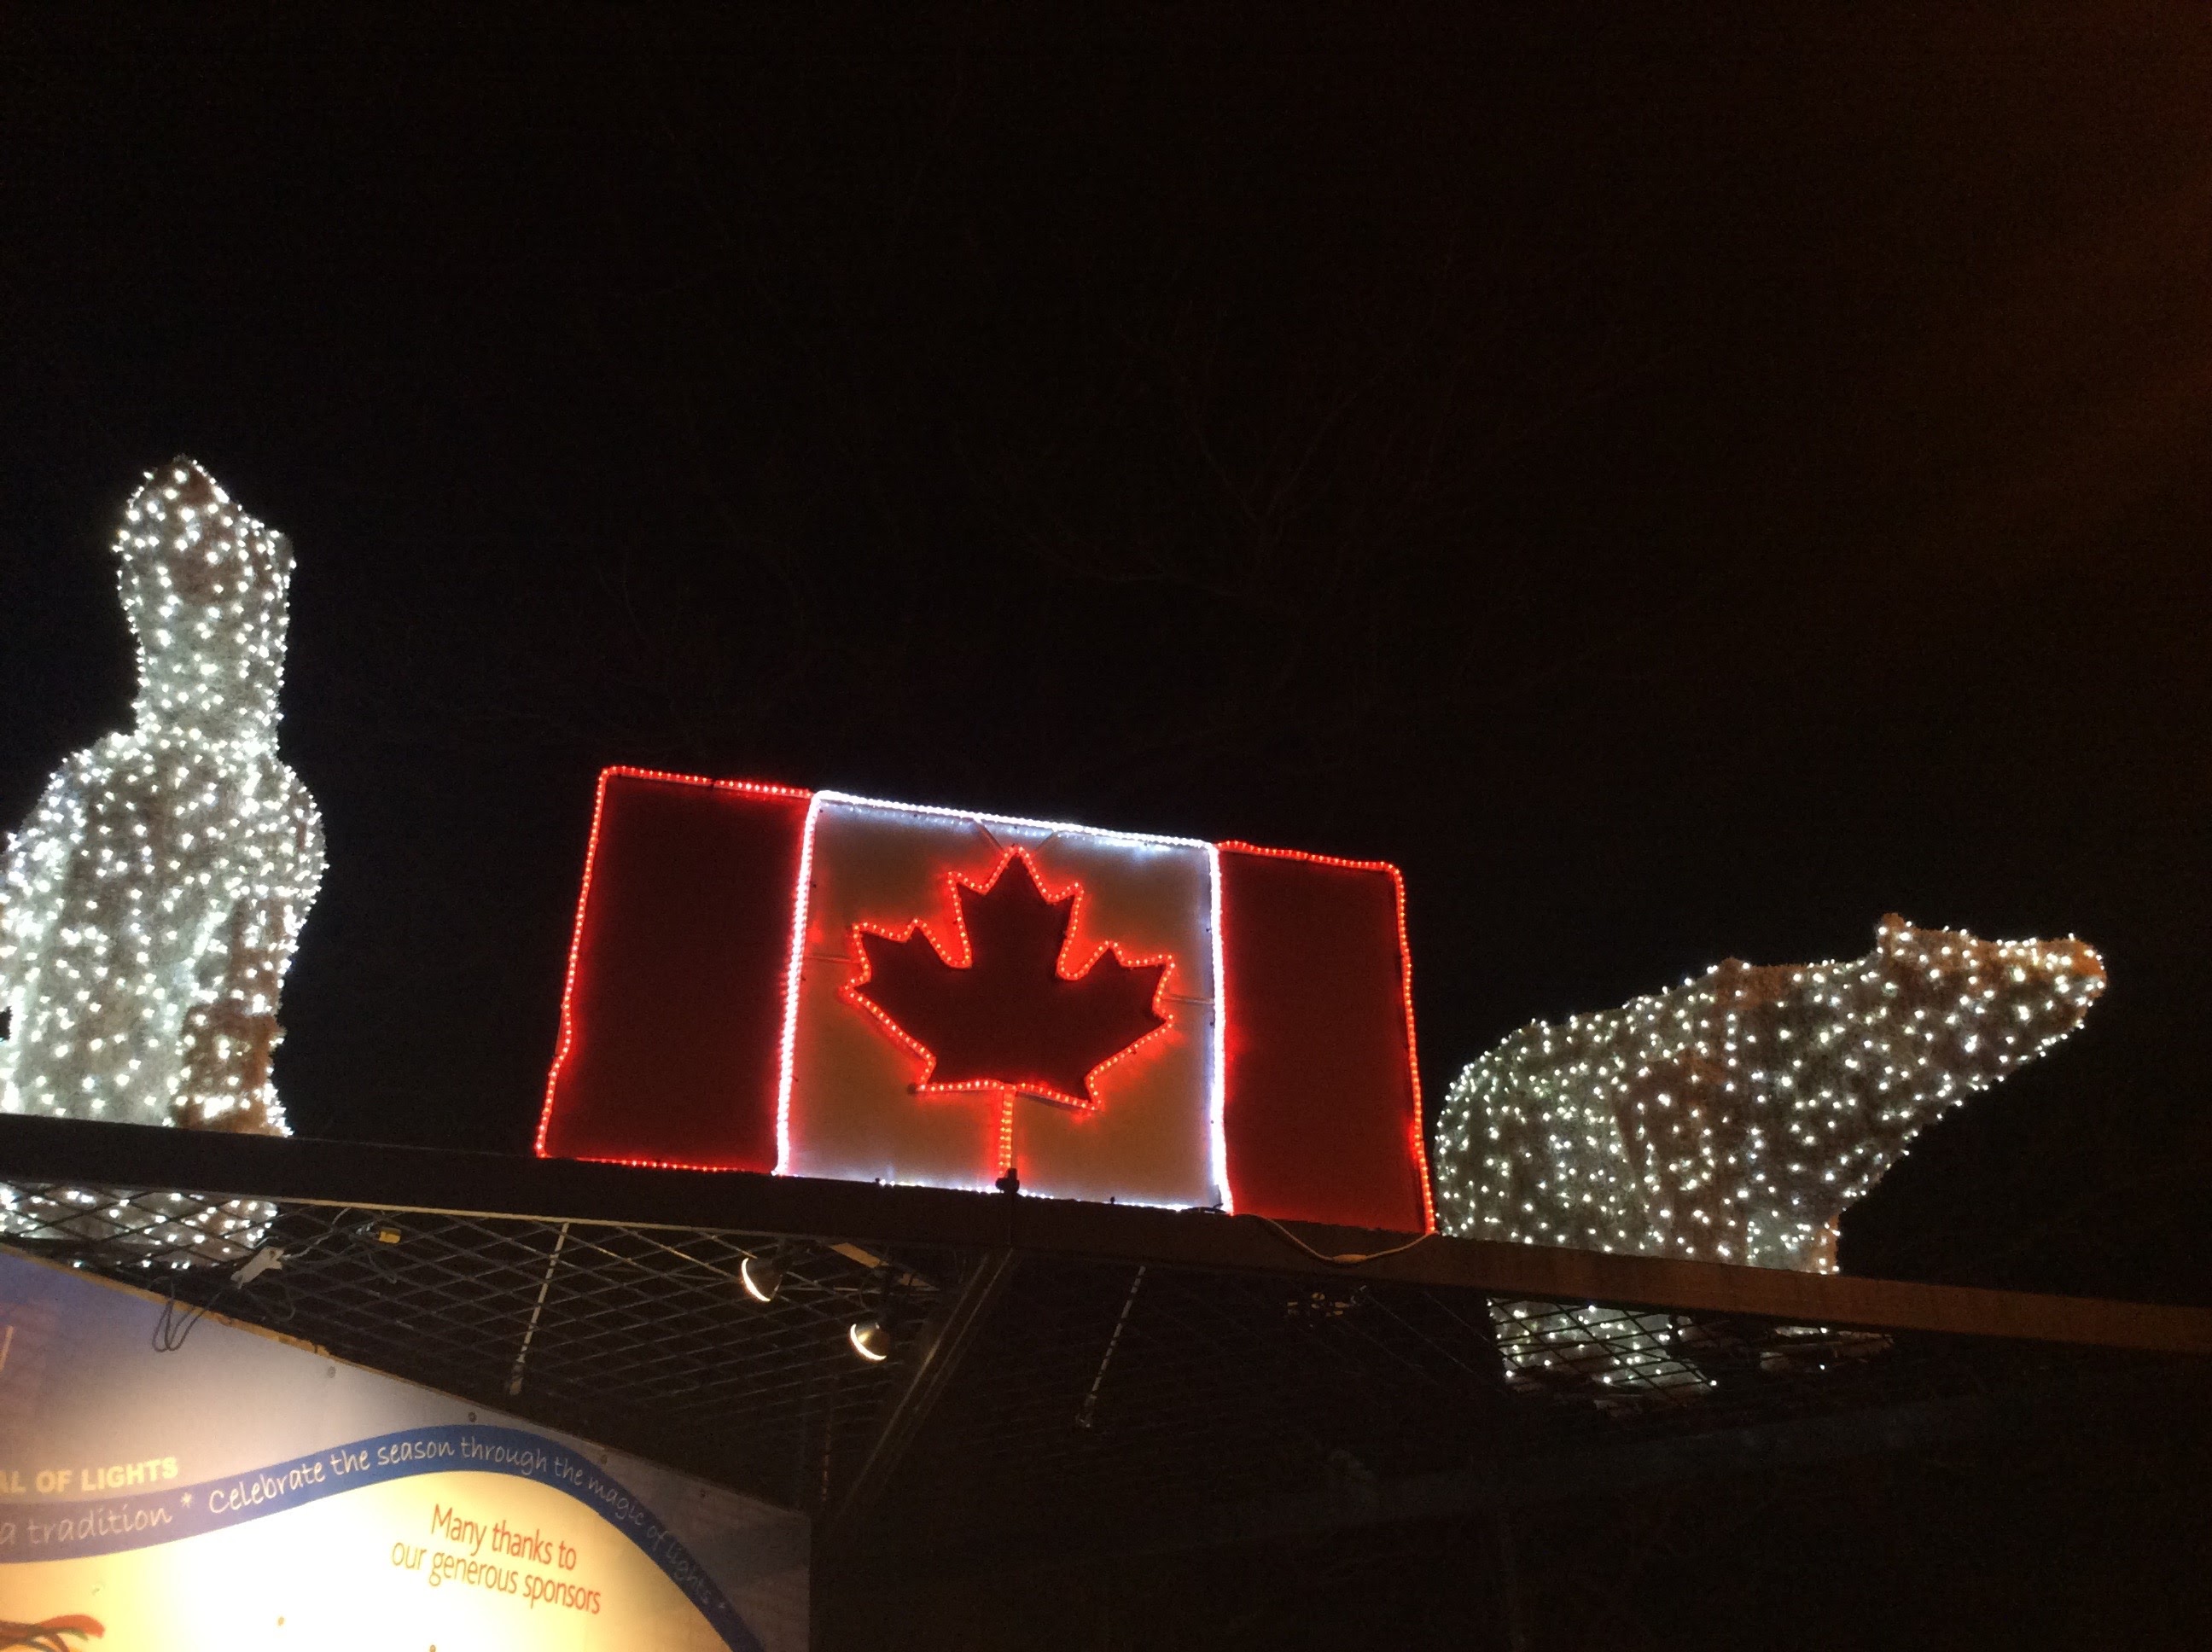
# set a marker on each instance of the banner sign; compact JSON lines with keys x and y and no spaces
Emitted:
{"x":817,"y":984}
{"x":241,"y":1491}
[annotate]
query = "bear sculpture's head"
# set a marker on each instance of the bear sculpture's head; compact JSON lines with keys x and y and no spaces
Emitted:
{"x":1954,"y":1004}
{"x":1849,"y":1061}
{"x":2007,"y":1001}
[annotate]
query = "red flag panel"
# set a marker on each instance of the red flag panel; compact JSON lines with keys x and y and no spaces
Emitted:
{"x":1323,"y":1107}
{"x":670,"y":1027}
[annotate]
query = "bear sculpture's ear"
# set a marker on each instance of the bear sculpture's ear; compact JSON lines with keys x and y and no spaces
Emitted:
{"x":194,"y":486}
{"x":2077,"y":959}
{"x":1893,"y":933}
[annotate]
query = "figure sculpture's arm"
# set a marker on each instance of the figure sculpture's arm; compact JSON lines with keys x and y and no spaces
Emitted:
{"x":231,"y":1033}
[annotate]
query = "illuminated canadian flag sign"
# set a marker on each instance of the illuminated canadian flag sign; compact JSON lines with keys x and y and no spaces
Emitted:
{"x":821,"y":985}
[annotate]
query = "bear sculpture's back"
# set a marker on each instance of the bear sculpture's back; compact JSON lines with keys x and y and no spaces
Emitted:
{"x":151,"y":906}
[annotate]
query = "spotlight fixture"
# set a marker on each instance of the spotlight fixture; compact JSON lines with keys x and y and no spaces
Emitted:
{"x":870,"y":1338}
{"x":762,"y":1276}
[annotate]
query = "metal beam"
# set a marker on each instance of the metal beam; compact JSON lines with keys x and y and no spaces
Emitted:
{"x":945,"y":1344}
{"x":366,"y":1176}
{"x":1601,"y":1471}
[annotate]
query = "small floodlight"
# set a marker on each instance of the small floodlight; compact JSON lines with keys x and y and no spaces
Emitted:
{"x":870,"y":1339}
{"x":762,"y":1276}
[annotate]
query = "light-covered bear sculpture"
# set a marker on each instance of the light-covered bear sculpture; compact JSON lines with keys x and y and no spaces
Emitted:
{"x":150,"y":906}
{"x":1735,"y":1117}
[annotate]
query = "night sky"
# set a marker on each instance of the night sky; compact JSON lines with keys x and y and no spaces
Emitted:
{"x":1683,"y":486}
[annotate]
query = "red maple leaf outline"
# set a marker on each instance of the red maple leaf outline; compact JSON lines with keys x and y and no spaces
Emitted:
{"x":957,"y":882}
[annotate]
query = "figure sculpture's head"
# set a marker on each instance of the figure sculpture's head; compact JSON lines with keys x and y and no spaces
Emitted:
{"x":203,"y":587}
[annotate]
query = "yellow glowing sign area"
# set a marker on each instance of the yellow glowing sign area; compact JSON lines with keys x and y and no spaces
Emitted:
{"x":408,"y":1562}
{"x":294,"y":1503}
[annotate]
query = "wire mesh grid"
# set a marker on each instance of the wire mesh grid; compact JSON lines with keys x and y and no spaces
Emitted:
{"x":1103,"y":1392}
{"x":639,"y":1336}
{"x":1159,"y":1387}
{"x":1104,"y":1396}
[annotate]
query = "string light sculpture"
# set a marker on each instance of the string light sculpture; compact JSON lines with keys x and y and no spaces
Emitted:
{"x":1734,"y":1118}
{"x":151,"y":904}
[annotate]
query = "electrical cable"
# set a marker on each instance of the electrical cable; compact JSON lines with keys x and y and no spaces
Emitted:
{"x":169,"y":1331}
{"x":1343,"y":1259}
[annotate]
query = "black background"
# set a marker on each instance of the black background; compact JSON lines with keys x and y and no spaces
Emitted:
{"x":1682,"y":485}
{"x":1682,"y":482}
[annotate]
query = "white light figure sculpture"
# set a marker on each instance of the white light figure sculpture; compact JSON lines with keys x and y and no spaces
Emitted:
{"x":1732,"y":1119}
{"x":150,"y":906}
